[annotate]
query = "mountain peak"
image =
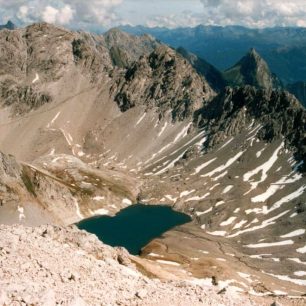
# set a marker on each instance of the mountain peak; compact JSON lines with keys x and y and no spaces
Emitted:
{"x":126,"y":48}
{"x":252,"y":70}
{"x":9,"y":25}
{"x":253,"y":52}
{"x":253,"y":55}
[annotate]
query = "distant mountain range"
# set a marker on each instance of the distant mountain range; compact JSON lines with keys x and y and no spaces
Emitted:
{"x":284,"y":49}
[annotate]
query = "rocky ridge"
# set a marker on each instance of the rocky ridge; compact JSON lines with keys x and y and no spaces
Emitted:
{"x":163,"y":80}
{"x":280,"y":114}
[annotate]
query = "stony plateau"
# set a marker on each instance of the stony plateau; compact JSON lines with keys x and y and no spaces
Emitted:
{"x":95,"y":123}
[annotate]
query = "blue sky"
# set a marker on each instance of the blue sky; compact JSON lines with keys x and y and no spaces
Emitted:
{"x":103,"y":14}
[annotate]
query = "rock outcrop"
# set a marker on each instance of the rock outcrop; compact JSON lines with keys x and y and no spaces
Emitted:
{"x":50,"y":265}
{"x":163,"y":80}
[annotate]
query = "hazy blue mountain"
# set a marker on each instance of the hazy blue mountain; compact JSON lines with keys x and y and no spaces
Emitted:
{"x":9,"y":25}
{"x":213,"y":76}
{"x":299,"y":90}
{"x":284,"y":49}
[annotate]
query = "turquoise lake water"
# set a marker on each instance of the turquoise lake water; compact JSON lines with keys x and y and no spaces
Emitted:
{"x":135,"y":226}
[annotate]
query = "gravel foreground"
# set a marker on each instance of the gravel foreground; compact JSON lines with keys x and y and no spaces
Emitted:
{"x":50,"y":265}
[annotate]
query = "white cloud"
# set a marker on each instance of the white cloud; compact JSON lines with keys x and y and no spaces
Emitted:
{"x":250,"y":13}
{"x":65,"y":15}
{"x":254,"y":13}
{"x":23,"y":11}
{"x":49,"y":14}
{"x":59,"y":16}
{"x":170,"y":13}
{"x":65,"y":12}
{"x":187,"y":19}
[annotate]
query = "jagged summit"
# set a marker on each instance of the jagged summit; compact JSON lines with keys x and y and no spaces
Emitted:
{"x":252,"y":70}
{"x":125,"y":48}
{"x":168,"y":82}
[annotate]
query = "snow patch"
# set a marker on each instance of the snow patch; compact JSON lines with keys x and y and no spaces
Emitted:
{"x":229,"y":221}
{"x":20,"y":209}
{"x":200,"y":213}
{"x":127,"y":202}
{"x":227,"y":189}
{"x":280,"y":184}
{"x":271,"y":244}
{"x":258,"y":154}
{"x":240,"y":224}
{"x":198,"y":169}
{"x":171,"y":164}
{"x":264,"y":168}
{"x":228,"y":142}
{"x":198,"y":198}
{"x":36,"y":79}
{"x":302,"y":250}
{"x":140,"y":119}
{"x":264,"y":224}
{"x":163,"y":129}
{"x":172,"y":263}
{"x":186,"y":193}
{"x":220,"y":203}
{"x":98,"y":198}
{"x":300,"y":273}
{"x":170,"y":197}
{"x":299,"y":282}
{"x":78,"y":211}
{"x":295,"y":233}
{"x":225,"y":166}
{"x":218,"y":233}
{"x":183,"y":133}
{"x":101,"y":212}
{"x":53,"y":120}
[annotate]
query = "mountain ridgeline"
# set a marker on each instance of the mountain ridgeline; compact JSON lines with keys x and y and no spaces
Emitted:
{"x":98,"y":122}
{"x":283,"y":48}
